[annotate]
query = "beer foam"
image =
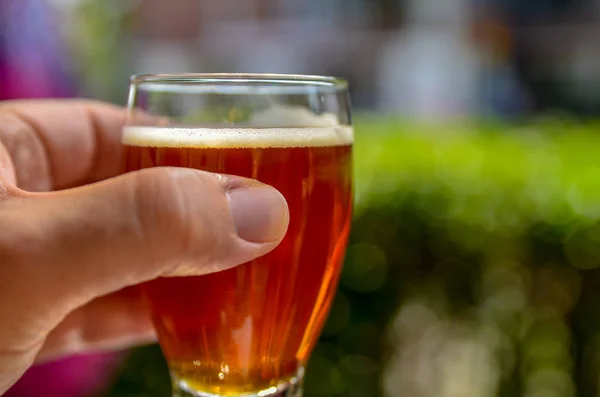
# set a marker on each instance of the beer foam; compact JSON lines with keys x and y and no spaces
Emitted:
{"x":177,"y":137}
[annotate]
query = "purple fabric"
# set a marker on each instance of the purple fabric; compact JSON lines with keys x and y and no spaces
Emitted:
{"x":79,"y":376}
{"x":34,"y":64}
{"x":34,"y":59}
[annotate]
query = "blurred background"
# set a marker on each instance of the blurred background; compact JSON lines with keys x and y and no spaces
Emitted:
{"x":474,"y":265}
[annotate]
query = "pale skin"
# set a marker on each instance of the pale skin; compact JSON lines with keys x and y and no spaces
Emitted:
{"x":74,"y":234}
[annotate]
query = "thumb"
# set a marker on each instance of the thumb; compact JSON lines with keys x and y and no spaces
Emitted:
{"x":68,"y":247}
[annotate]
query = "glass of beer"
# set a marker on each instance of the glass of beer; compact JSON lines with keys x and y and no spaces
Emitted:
{"x":249,"y":330}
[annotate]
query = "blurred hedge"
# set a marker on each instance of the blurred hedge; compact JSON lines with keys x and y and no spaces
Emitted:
{"x":472,"y":268}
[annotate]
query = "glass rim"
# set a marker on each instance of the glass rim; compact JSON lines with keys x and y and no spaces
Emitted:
{"x":267,"y":79}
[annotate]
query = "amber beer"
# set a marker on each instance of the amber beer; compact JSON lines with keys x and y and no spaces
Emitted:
{"x":252,"y":328}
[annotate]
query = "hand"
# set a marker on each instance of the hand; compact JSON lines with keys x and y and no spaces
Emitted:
{"x":74,"y":235}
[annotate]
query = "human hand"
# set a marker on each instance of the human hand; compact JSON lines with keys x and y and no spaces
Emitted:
{"x":74,"y":235}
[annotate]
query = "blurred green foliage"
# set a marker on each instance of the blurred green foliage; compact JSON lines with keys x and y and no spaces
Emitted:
{"x":472,"y":268}
{"x":97,"y":36}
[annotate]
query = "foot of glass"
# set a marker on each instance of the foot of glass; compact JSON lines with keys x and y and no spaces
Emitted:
{"x":291,"y":388}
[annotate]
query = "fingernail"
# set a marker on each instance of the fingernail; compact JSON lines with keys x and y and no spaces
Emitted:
{"x":259,"y":212}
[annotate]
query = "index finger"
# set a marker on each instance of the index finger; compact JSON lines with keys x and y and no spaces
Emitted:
{"x":58,"y":144}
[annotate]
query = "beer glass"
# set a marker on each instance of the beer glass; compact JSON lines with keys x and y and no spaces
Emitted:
{"x":249,"y":331}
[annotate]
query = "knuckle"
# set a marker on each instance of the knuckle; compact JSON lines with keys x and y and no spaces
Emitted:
{"x":152,"y":204}
{"x":203,"y":219}
{"x":22,"y":249}
{"x":27,"y":152}
{"x":18,"y":240}
{"x":177,"y":207}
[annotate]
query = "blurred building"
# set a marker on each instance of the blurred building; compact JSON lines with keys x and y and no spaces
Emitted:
{"x":421,"y":59}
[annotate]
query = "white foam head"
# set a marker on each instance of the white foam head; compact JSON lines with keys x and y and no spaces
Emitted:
{"x":237,"y":138}
{"x":316,"y":131}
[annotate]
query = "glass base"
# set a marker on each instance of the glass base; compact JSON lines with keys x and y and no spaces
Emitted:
{"x":290,"y":388}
